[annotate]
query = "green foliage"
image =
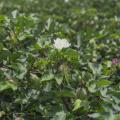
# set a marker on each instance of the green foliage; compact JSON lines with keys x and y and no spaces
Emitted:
{"x":41,"y":82}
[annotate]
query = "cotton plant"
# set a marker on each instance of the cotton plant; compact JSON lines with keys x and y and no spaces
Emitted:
{"x":61,"y":43}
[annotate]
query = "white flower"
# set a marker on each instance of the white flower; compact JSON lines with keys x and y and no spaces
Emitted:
{"x":61,"y":43}
{"x":66,"y":1}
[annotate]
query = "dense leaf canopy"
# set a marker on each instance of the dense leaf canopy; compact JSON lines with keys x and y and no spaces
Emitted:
{"x":78,"y":81}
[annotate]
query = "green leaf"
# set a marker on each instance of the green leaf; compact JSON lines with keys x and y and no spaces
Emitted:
{"x":47,"y":77}
{"x":103,"y":83}
{"x":94,"y":115}
{"x":7,"y":85}
{"x":77,"y":105}
{"x":66,"y":93}
{"x":49,"y":21}
{"x":117,"y":117}
{"x":59,"y":79}
{"x":71,"y":55}
{"x":60,"y":116}
{"x":2,"y":18}
{"x":92,"y":67}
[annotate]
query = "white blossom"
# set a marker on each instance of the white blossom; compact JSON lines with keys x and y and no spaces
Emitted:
{"x":61,"y":43}
{"x":66,"y":1}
